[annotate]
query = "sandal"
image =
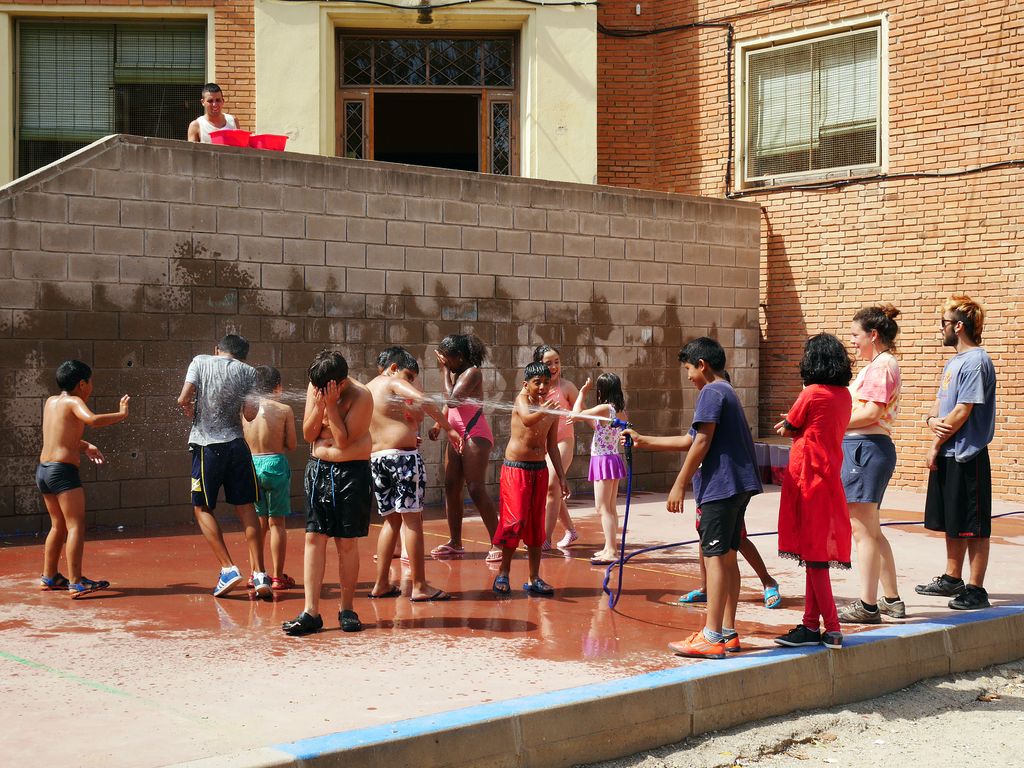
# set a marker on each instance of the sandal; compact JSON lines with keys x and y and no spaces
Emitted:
{"x":772,"y":598}
{"x":501,"y":585}
{"x":493,"y":556}
{"x":393,"y":592}
{"x":303,"y":624}
{"x":285,"y":582}
{"x":52,"y":583}
{"x":694,"y":596}
{"x":447,"y":550}
{"x":539,"y":587}
{"x":438,"y":596}
{"x":86,"y":587}
{"x":349,"y":621}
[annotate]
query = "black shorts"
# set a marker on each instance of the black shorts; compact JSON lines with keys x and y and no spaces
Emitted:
{"x":960,"y":497}
{"x":721,"y":524}
{"x":223,"y":464}
{"x":57,"y":477}
{"x":338,"y":498}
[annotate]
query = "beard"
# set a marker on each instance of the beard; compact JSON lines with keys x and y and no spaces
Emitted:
{"x":949,"y":338}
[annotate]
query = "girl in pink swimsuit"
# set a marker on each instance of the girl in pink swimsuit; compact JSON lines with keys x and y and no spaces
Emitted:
{"x":460,"y":357}
{"x":562,"y":395}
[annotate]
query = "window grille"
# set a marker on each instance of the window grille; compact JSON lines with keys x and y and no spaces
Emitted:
{"x":437,"y":62}
{"x":813,"y":106}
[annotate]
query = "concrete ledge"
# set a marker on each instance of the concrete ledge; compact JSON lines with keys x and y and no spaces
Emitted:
{"x":618,"y":718}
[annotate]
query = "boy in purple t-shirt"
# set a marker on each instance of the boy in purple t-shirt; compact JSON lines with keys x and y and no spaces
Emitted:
{"x":720,"y":461}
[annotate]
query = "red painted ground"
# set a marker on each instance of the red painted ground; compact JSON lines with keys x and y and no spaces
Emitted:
{"x":156,"y":670}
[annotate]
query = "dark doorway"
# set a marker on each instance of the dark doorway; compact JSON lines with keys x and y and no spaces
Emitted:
{"x":440,"y":130}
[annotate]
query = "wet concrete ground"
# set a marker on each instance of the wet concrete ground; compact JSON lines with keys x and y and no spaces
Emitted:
{"x":156,"y":670}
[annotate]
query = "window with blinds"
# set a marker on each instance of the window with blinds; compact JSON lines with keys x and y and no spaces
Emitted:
{"x":78,"y":82}
{"x":813,"y":106}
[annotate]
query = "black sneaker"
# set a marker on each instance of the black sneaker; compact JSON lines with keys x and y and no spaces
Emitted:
{"x":832,"y":640}
{"x":941,"y":586}
{"x":349,"y":621}
{"x":970,"y":599}
{"x":303,"y":624}
{"x":798,"y":636}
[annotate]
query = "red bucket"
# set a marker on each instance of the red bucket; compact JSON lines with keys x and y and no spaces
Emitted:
{"x":230,"y":137}
{"x":268,"y":141}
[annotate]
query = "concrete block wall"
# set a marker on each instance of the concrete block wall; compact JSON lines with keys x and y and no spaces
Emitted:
{"x":134,"y":255}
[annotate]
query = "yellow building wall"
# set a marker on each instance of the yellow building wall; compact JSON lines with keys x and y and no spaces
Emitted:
{"x":296,"y":85}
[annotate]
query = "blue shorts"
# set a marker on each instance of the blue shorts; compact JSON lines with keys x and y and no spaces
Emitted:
{"x":868,"y":464}
{"x":54,"y":477}
{"x":227,"y":465}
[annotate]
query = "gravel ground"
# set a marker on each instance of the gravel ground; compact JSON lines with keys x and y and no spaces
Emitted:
{"x":972,"y":719}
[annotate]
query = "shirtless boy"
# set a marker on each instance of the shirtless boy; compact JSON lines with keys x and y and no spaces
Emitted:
{"x":271,"y":436}
{"x":65,"y":417}
{"x":524,"y":480}
{"x":399,"y":477}
{"x":336,"y":424}
{"x":214,"y":118}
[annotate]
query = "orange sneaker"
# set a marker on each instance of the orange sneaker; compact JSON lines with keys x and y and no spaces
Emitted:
{"x":696,"y":646}
{"x":732,"y":644}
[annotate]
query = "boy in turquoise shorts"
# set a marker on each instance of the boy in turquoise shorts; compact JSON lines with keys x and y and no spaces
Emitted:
{"x":271,"y":435}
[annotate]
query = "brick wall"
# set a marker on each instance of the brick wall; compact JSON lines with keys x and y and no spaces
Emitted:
{"x":953,"y":102}
{"x":234,"y":42}
{"x":134,"y":255}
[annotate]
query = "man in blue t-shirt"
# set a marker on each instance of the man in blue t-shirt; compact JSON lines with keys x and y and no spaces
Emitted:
{"x":721,"y":463}
{"x":963,"y":419}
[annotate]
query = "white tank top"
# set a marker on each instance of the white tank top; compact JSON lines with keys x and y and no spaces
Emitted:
{"x":206,"y":127}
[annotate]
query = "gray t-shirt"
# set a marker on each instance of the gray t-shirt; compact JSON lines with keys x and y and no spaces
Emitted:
{"x":969,"y":377}
{"x":222,"y":384}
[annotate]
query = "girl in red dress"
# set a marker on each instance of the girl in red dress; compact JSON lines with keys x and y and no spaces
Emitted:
{"x":814,"y":524}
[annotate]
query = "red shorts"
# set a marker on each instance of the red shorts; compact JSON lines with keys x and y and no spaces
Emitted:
{"x":743,"y":529}
{"x":524,"y":491}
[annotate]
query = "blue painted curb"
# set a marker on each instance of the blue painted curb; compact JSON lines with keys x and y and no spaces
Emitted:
{"x":481,"y":713}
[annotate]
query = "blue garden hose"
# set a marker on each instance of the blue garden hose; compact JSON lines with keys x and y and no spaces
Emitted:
{"x":627,"y":445}
{"x":613,"y":598}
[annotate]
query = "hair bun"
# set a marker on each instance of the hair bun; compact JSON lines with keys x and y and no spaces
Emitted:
{"x":889,"y":310}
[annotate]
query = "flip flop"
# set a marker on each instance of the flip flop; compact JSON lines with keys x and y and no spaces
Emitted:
{"x":501,"y":585}
{"x":447,"y":550}
{"x":772,"y":598}
{"x":437,"y":597}
{"x":694,"y":596}
{"x":601,"y":561}
{"x":539,"y":587}
{"x":493,"y":556}
{"x":393,"y":592}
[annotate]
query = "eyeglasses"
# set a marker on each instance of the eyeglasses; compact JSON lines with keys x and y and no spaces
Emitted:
{"x":944,"y":322}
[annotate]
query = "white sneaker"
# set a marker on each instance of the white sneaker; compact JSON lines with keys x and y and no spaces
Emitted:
{"x":261,"y":583}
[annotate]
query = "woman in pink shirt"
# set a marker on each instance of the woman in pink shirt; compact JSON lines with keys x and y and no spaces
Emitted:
{"x":869,"y":459}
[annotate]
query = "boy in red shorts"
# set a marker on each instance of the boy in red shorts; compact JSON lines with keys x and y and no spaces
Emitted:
{"x":524,"y":480}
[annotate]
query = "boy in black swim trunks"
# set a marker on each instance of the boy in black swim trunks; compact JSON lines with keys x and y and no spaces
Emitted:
{"x":217,"y":393}
{"x":336,"y":423}
{"x":65,"y":417}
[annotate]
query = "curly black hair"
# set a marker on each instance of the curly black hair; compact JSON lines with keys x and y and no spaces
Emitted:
{"x":826,"y":361}
{"x":465,"y":345}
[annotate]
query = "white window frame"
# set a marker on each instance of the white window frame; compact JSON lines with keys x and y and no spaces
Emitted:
{"x":744,"y":48}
